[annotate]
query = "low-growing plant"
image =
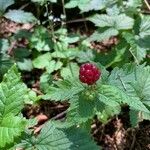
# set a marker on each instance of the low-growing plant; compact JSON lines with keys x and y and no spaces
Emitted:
{"x":50,"y":60}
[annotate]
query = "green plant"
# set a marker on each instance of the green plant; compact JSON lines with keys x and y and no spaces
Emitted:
{"x":53,"y":57}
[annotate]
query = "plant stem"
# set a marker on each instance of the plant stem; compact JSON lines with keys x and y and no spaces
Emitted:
{"x":147,"y":4}
{"x":64,"y":12}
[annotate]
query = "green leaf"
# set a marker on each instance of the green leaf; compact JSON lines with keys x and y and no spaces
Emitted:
{"x":115,"y":56}
{"x":134,"y":117}
{"x":115,"y":94}
{"x":10,"y":128}
{"x":12,"y":97}
{"x":42,"y":61}
{"x":52,"y":138}
{"x":4,"y":46}
{"x":72,"y":70}
{"x":5,"y":60}
{"x":64,"y":90}
{"x":118,"y":22}
{"x":41,"y":39}
{"x":103,"y":34}
{"x":4,"y":4}
{"x":45,"y":81}
{"x":85,"y":56}
{"x":25,"y":64}
{"x":20,"y":16}
{"x":144,"y":26}
{"x":54,"y":66}
{"x":5,"y":64}
{"x":138,"y":52}
{"x":12,"y":93}
{"x":20,"y":53}
{"x":134,"y":3}
{"x":88,"y":5}
{"x":134,"y":81}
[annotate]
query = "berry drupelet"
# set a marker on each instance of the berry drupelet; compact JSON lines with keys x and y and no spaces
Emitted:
{"x":89,"y":73}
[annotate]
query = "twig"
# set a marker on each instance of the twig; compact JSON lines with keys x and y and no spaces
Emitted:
{"x":85,"y":24}
{"x":37,"y":91}
{"x":59,"y":115}
{"x":24,"y":6}
{"x":77,"y":20}
{"x":147,"y":4}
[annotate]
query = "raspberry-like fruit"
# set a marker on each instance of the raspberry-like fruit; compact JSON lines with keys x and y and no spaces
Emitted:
{"x":89,"y":73}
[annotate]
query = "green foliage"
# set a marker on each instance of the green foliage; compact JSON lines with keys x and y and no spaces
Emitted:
{"x":52,"y":137}
{"x":109,"y":25}
{"x":12,"y":97}
{"x":48,"y":44}
{"x":20,"y":16}
{"x":4,"y":4}
{"x":87,"y":5}
{"x":41,"y":40}
{"x":64,"y":90}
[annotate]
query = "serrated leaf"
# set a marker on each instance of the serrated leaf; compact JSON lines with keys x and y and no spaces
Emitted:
{"x":88,"y":5}
{"x":121,"y":97}
{"x":4,"y":4}
{"x":41,"y":39}
{"x":25,"y":64}
{"x":138,"y":52}
{"x":53,"y":66}
{"x":118,"y":22}
{"x":103,"y":34}
{"x":64,"y":90}
{"x":144,"y":26}
{"x":52,"y":138}
{"x":12,"y":93}
{"x":20,"y":16}
{"x":70,"y":71}
{"x":10,"y":128}
{"x":42,"y":61}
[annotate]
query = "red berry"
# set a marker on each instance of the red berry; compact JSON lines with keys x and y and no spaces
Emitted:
{"x":89,"y":73}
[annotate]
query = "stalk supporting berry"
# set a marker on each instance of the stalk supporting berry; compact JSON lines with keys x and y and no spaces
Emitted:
{"x":89,"y":73}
